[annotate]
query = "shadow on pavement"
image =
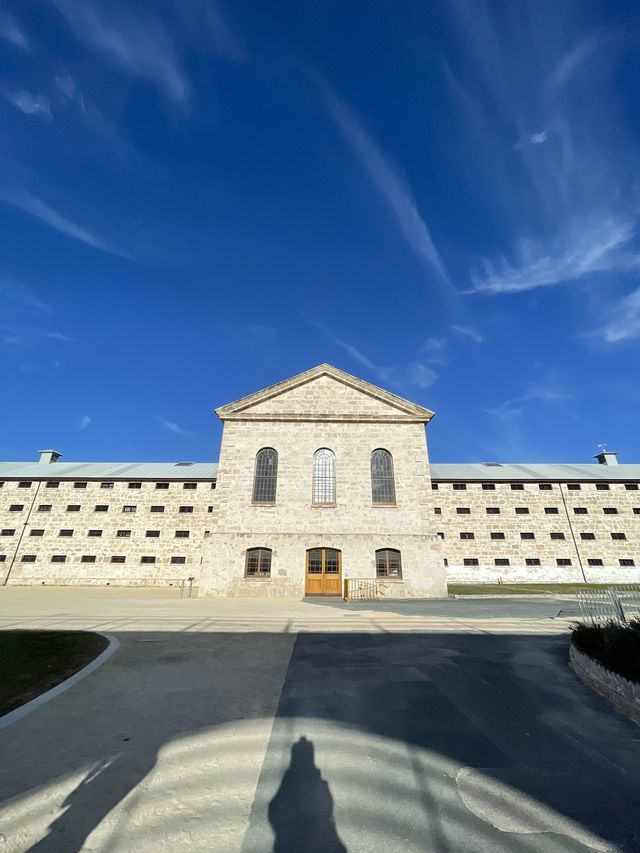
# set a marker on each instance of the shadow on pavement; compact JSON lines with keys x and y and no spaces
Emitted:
{"x":425,"y":739}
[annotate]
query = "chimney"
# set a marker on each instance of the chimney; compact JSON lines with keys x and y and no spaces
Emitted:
{"x":48,"y":456}
{"x":607,"y":457}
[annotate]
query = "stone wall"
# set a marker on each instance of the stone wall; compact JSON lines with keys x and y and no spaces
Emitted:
{"x":549,"y":510}
{"x":95,"y":531}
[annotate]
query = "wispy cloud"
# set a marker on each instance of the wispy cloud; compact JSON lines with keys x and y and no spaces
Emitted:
{"x":20,"y":296}
{"x":468,"y":332}
{"x":11,"y":32}
{"x":393,"y":188}
{"x":39,"y":209}
{"x":600,"y":245}
{"x":624,"y":323}
{"x":16,"y":335}
{"x":535,"y":393}
{"x":32,"y":105}
{"x":84,"y":422}
{"x":173,"y":427}
{"x":572,"y":61}
{"x":413,"y":373}
{"x":139,"y":47}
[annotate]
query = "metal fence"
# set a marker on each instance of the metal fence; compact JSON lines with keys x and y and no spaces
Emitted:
{"x":363,"y":589}
{"x":615,"y":604}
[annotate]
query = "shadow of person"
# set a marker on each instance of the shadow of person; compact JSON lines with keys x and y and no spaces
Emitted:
{"x":301,"y":813}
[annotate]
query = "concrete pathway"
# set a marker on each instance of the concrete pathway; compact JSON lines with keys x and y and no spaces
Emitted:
{"x":366,"y":737}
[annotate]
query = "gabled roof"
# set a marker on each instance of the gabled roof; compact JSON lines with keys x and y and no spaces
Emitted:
{"x":396,"y":408}
{"x":108,"y":471}
{"x":515,"y":472}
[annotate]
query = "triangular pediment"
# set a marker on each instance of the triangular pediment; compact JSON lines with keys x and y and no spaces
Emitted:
{"x":324,"y":393}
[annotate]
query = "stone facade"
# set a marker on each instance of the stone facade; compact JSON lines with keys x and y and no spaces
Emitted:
{"x":439,"y":522}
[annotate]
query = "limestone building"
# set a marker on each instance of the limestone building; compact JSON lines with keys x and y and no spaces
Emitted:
{"x":321,"y":478}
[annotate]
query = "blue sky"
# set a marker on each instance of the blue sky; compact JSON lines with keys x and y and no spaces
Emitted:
{"x":198,"y":200}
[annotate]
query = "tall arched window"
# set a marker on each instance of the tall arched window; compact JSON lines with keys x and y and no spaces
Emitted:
{"x":324,"y":477}
{"x":388,"y":563}
{"x":266,"y":476}
{"x":383,"y":489}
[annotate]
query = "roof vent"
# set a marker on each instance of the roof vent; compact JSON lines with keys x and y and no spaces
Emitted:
{"x":185,"y":463}
{"x":48,"y":456}
{"x":607,"y":457}
{"x":492,"y":464}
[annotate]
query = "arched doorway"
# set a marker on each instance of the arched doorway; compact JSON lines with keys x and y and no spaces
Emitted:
{"x":324,"y":572}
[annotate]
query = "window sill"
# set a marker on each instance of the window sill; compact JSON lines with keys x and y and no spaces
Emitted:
{"x":391,"y":580}
{"x":261,"y":504}
{"x":385,"y":506}
{"x":260,"y":580}
{"x":324,"y":506}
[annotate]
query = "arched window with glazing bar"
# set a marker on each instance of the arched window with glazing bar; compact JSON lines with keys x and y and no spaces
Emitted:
{"x":383,"y":487}
{"x":265,"y":478}
{"x":324,"y":477}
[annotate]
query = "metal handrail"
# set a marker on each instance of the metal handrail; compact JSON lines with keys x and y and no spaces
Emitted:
{"x":363,"y":589}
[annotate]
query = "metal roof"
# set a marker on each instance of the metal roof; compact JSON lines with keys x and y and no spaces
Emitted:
{"x":495,"y":471}
{"x":109,"y":470}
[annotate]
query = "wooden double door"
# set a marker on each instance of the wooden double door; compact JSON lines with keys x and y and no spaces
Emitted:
{"x":324,"y":572}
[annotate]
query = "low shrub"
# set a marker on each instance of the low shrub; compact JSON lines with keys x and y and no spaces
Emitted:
{"x":615,"y":646}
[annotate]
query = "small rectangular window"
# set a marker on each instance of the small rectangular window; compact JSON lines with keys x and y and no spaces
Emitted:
{"x":3,"y":557}
{"x":574,"y":487}
{"x":631,"y":487}
{"x":28,"y":558}
{"x":493,"y":510}
{"x":489,"y":487}
{"x":102,"y":508}
{"x":178,"y":561}
{"x":59,"y":558}
{"x":88,"y":558}
{"x":470,"y":561}
{"x":134,"y":485}
{"x":467,"y":536}
{"x":123,"y":534}
{"x":65,"y":532}
{"x":73,"y":507}
{"x":501,"y":561}
{"x":7,"y":531}
{"x":45,"y":507}
{"x":636,"y":510}
{"x":182,"y":534}
{"x":147,"y":559}
{"x":618,"y":536}
{"x":118,"y":558}
{"x":435,"y":487}
{"x":35,"y":532}
{"x":497,"y":535}
{"x":626,"y":561}
{"x":189,"y":485}
{"x":437,"y":510}
{"x":545,"y":487}
{"x":152,"y":534}
{"x":94,"y":533}
{"x":52,"y":484}
{"x":588,"y":536}
{"x":459,"y":487}
{"x":528,"y":535}
{"x":129,"y":508}
{"x":213,"y":485}
{"x":186,"y":509}
{"x":517,"y":487}
{"x":106,"y":485}
{"x":610,"y":510}
{"x":580,"y":510}
{"x":16,"y":507}
{"x":522,"y":510}
{"x":162,"y":485}
{"x":156,"y":508}
{"x":24,"y":484}
{"x":557,"y":535}
{"x":532,"y":561}
{"x":551,"y":510}
{"x":595,"y":562}
{"x":563,"y":561}
{"x":81,"y":484}
{"x":440,"y":535}
{"x":445,"y":561}
{"x":602,"y":487}
{"x":463,"y":510}
{"x":209,"y":509}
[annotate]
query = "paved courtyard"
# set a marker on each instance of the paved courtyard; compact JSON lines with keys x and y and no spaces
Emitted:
{"x":291,"y":726}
